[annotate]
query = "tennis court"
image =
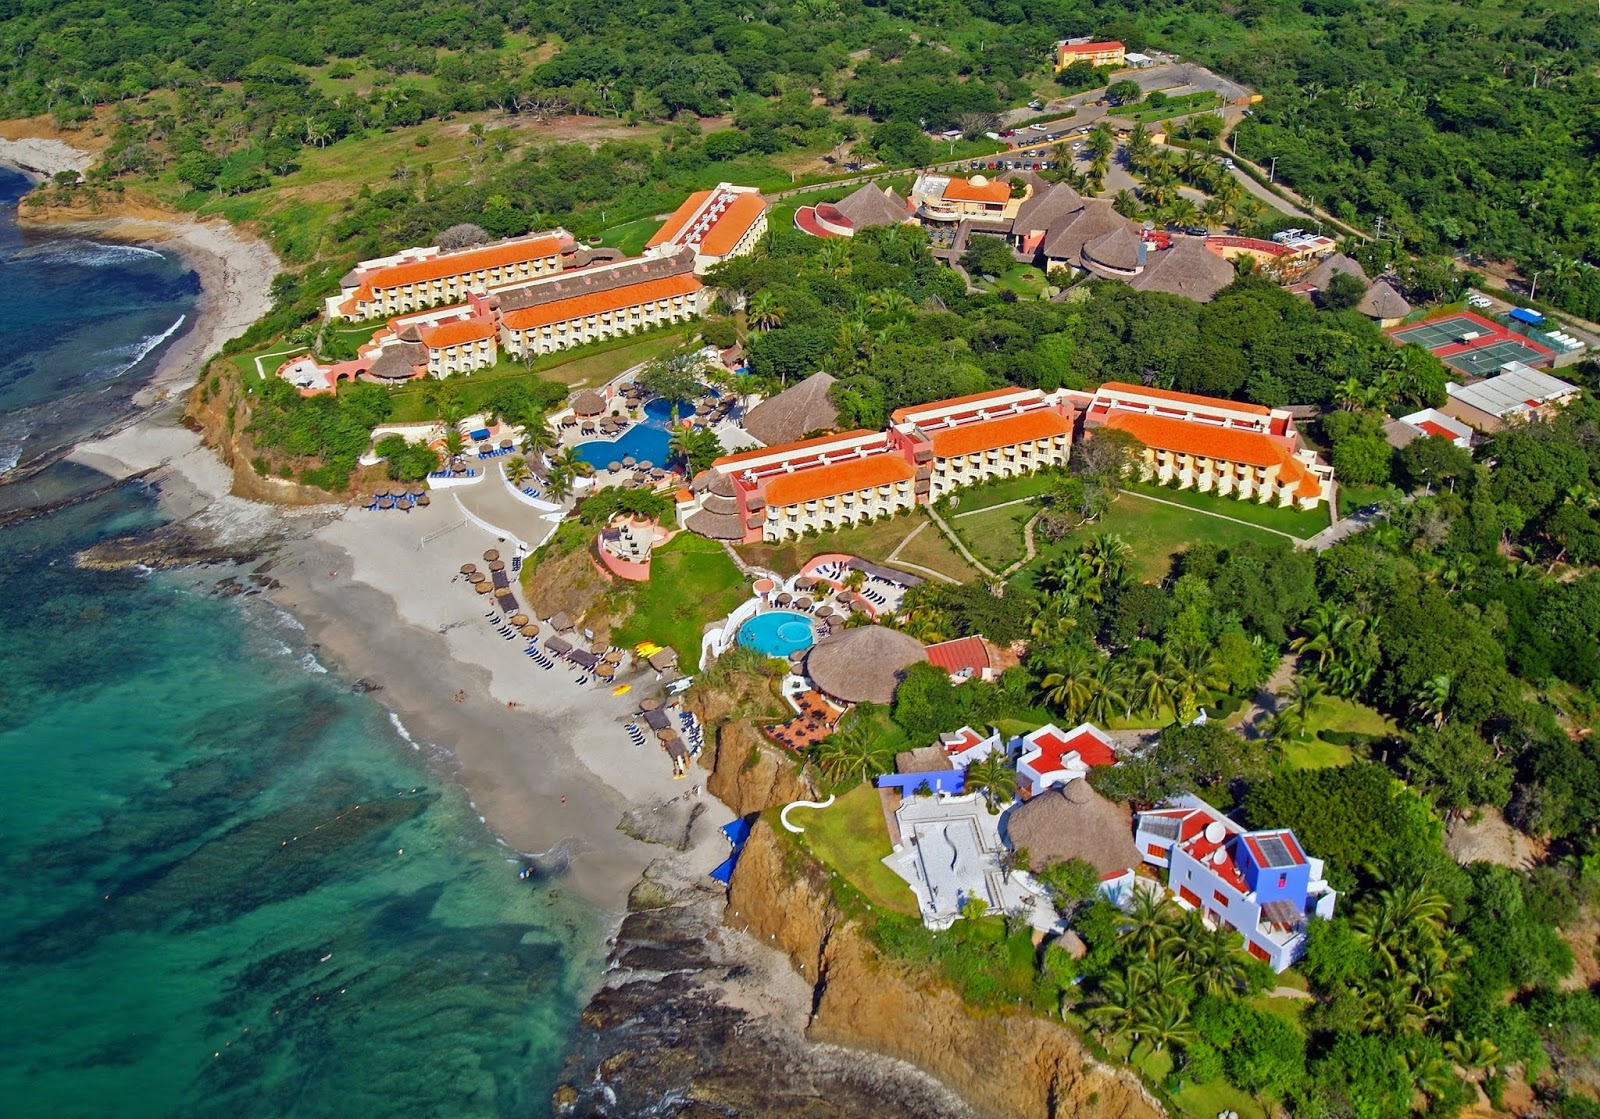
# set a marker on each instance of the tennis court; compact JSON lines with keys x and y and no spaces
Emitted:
{"x":1446,"y":338}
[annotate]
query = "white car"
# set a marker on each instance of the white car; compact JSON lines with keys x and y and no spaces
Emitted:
{"x":1037,"y":127}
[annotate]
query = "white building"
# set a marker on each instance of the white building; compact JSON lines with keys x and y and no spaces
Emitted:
{"x":1050,"y":756}
{"x":951,"y":852}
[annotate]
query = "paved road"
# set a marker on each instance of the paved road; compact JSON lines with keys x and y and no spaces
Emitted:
{"x":1343,"y":529}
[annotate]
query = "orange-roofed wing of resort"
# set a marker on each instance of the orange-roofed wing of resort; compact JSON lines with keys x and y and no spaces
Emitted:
{"x":717,"y":224}
{"x":1243,"y":451}
{"x":428,"y":276}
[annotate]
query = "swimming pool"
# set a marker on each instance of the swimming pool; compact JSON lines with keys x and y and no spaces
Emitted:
{"x":645,"y":441}
{"x":777,"y":633}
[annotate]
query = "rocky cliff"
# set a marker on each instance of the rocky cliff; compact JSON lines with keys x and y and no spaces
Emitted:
{"x":747,"y":773}
{"x":1004,"y":1065}
{"x":219,"y":409}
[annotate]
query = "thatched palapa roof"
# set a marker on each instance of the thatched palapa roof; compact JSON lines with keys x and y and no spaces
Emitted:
{"x":863,"y":665}
{"x":795,"y":412}
{"x":588,"y":403}
{"x":872,"y":206}
{"x":1188,"y":269}
{"x":1336,"y":264}
{"x":1072,"y":821}
{"x":1383,"y":302}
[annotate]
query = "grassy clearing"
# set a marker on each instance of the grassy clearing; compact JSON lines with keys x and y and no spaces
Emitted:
{"x":1314,"y":754}
{"x":692,"y":582}
{"x":931,"y":550}
{"x":995,"y":536}
{"x":1296,"y":522}
{"x":851,"y":839}
{"x":630,"y":236}
{"x":1024,"y":279}
{"x":1001,"y":491}
{"x":1334,"y":713}
{"x":1352,"y":498}
{"x":1181,"y":105}
{"x":1155,"y":532}
{"x":873,"y":542}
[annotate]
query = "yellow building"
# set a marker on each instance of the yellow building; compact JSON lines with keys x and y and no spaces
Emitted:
{"x":1110,"y":53}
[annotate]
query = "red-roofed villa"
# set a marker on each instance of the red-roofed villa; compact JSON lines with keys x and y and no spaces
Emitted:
{"x":1051,"y":756}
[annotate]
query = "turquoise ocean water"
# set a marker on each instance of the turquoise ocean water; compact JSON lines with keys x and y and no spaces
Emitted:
{"x":233,"y":886}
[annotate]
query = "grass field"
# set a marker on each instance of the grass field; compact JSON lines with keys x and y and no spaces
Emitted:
{"x":1155,"y":532}
{"x":1024,"y":279}
{"x":1001,"y":491}
{"x":995,"y":535}
{"x":1181,"y":105}
{"x":1334,"y":713}
{"x":630,"y":236}
{"x":850,"y":838}
{"x":1296,"y":522}
{"x":692,"y":582}
{"x":873,"y":542}
{"x":931,"y":550}
{"x":1315,"y":754}
{"x":1352,"y":498}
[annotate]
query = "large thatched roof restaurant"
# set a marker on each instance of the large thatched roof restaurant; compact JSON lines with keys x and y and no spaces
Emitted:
{"x":863,"y":665}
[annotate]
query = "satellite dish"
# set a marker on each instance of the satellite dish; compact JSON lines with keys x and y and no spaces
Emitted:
{"x":1219,"y":856}
{"x":1215,"y":832}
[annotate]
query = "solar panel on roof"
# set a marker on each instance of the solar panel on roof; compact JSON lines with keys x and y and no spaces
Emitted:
{"x":1166,"y":827}
{"x":1275,"y":851}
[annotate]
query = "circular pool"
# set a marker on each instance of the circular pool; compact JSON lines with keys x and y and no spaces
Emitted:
{"x":777,"y":633}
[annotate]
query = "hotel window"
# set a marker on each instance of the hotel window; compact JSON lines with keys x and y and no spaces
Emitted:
{"x":1283,"y":880}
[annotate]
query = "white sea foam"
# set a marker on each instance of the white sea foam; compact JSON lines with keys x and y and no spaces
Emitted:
{"x":86,"y":254}
{"x":132,"y":354}
{"x":11,"y":443}
{"x":400,"y":729}
{"x":312,"y":665}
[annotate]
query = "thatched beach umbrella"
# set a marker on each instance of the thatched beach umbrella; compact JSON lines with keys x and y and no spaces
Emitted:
{"x":803,"y":602}
{"x":804,"y":583}
{"x":649,"y":704}
{"x":646,"y":465}
{"x":784,"y":598}
{"x":519,"y":620}
{"x":483,"y":588}
{"x":824,"y":611}
{"x":505,"y":444}
{"x":530,"y":630}
{"x":498,"y":565}
{"x":797,"y":655}
{"x":666,"y":735}
{"x":605,"y":671}
{"x":424,"y":500}
{"x":491,"y":555}
{"x":477,"y":577}
{"x":613,"y":656}
{"x":468,"y":568}
{"x":628,"y":460}
{"x":613,"y":466}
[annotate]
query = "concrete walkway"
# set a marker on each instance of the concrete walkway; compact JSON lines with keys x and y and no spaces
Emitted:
{"x":955,"y":542}
{"x":894,"y":558}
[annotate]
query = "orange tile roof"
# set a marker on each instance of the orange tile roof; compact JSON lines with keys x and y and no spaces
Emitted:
{"x":962,"y":190}
{"x":456,"y":264}
{"x":987,"y":434}
{"x":804,"y":444}
{"x":1249,"y":447}
{"x":616,"y":299}
{"x":734,"y":222}
{"x":679,"y":219}
{"x":457,"y":333}
{"x":839,"y":478}
{"x":1186,"y":398}
{"x":899,"y":415}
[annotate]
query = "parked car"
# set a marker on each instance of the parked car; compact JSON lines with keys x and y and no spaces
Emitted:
{"x":1036,"y":128}
{"x":1036,"y":105}
{"x":1084,"y":130}
{"x":1227,"y":164}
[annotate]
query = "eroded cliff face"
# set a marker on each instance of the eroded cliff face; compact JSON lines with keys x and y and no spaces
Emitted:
{"x":748,"y":774}
{"x":1004,"y":1065}
{"x":219,"y":409}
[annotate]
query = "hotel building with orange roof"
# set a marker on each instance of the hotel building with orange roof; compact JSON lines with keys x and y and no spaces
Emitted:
{"x":717,"y":224}
{"x":427,"y":276}
{"x":1216,"y":446}
{"x":987,"y":435}
{"x":947,"y":198}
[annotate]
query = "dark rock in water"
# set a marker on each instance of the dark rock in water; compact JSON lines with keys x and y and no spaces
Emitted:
{"x":227,"y":588}
{"x":364,"y":686}
{"x":670,"y":1037}
{"x":169,"y":546}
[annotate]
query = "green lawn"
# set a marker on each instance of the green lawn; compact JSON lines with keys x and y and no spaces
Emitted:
{"x":931,"y":550}
{"x":1334,"y":713}
{"x":1352,"y":498}
{"x":1024,"y":279}
{"x":851,"y":839}
{"x":872,"y":542}
{"x":1001,"y":491}
{"x":1296,"y":522}
{"x":995,"y":535}
{"x":692,"y":582}
{"x":630,"y":236}
{"x":1179,"y":106}
{"x":1314,"y":754}
{"x":1155,"y":532}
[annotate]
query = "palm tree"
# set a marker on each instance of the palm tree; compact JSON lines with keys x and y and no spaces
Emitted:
{"x":1302,"y":694}
{"x":1071,"y":682}
{"x":1164,"y":1020}
{"x":454,"y":444}
{"x":695,"y":447}
{"x":763,"y":312}
{"x":850,"y":752}
{"x":1108,"y":694}
{"x":1181,"y":211}
{"x":1118,"y":1000}
{"x":1433,"y":698}
{"x":1107,"y":556}
{"x":1125,"y":203}
{"x":992,"y":777}
{"x":537,"y":438}
{"x":517,"y":471}
{"x":834,"y":257}
{"x":569,"y":461}
{"x":1160,"y":683}
{"x":1148,"y":922}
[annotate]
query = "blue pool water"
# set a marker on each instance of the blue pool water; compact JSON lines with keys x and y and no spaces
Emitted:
{"x":778,"y":633}
{"x":645,"y":441}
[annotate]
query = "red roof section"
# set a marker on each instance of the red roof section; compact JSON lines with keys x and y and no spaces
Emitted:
{"x":457,"y":264}
{"x":732,"y":224}
{"x":1295,"y":855}
{"x":457,"y":333}
{"x":962,"y":653}
{"x":1088,"y":48}
{"x":1186,"y":398}
{"x":594,"y":303}
{"x":838,"y":478}
{"x":803,"y":444}
{"x":964,"y":190}
{"x":900,"y":415}
{"x":1054,"y":747}
{"x":986,"y":435}
{"x":969,"y":737}
{"x":1226,"y":444}
{"x":1438,"y":429}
